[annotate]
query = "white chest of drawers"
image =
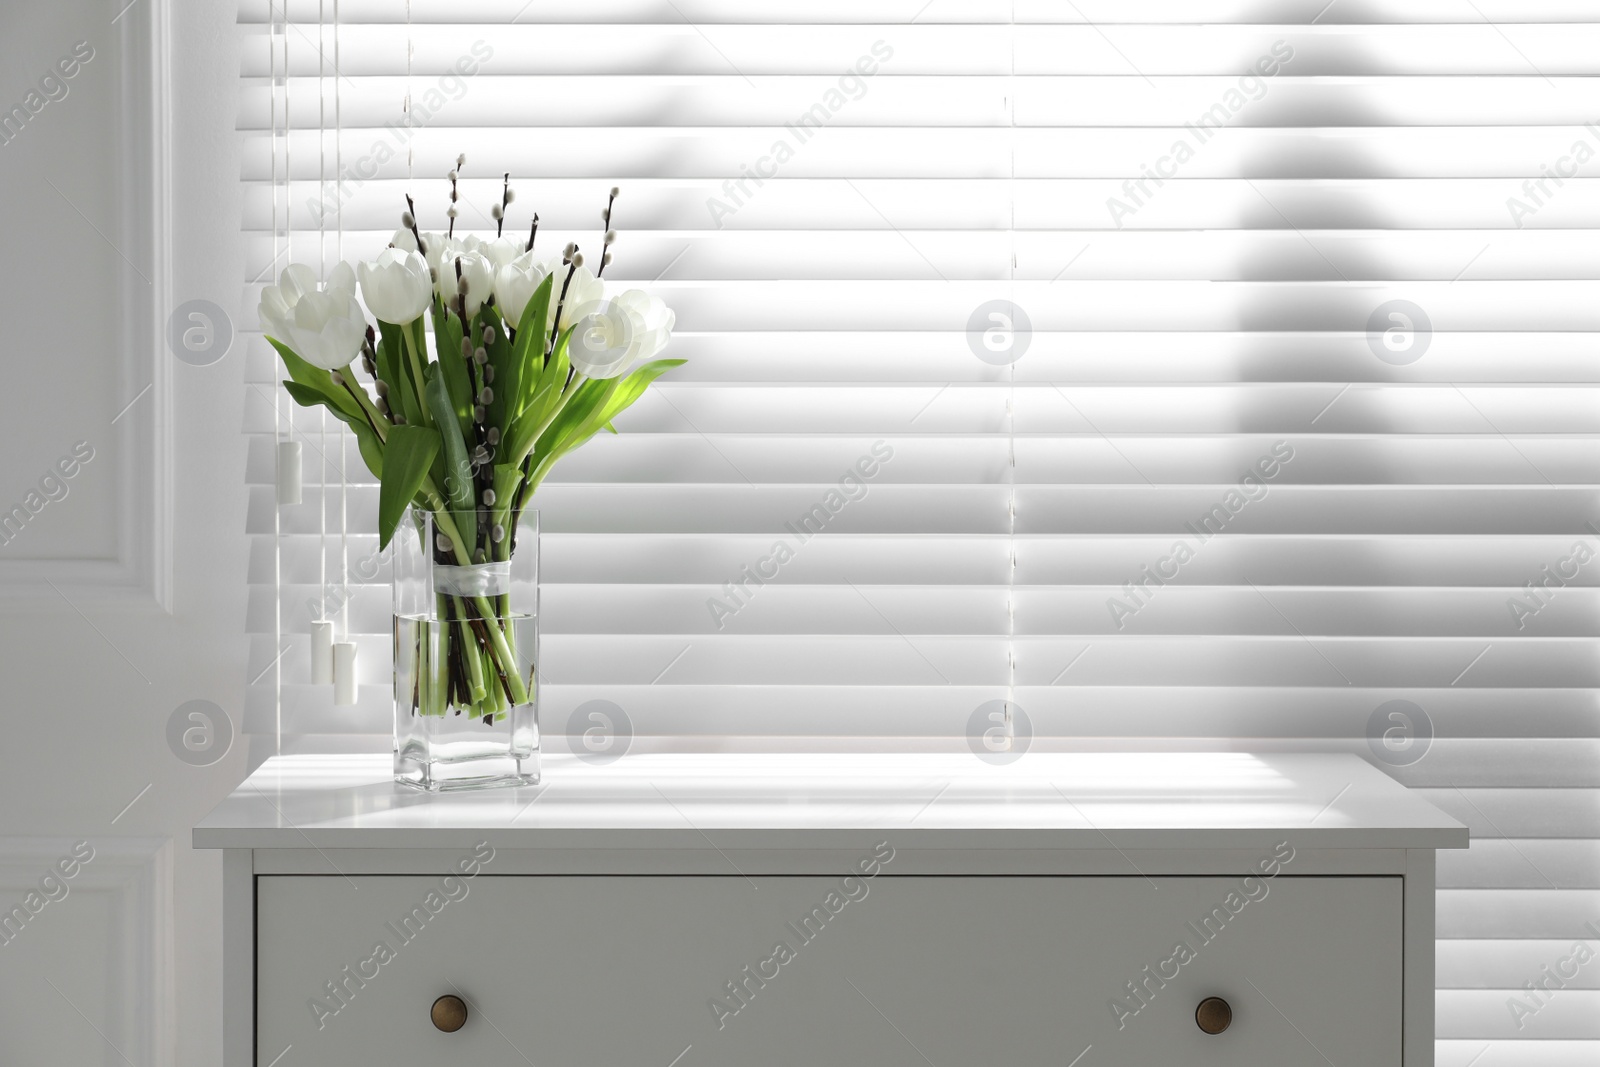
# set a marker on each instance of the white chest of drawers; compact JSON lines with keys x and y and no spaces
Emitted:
{"x":865,"y":909}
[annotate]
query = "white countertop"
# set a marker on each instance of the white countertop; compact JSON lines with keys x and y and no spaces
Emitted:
{"x":822,"y":801}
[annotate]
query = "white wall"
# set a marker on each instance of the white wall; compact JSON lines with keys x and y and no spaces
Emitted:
{"x":124,"y":599}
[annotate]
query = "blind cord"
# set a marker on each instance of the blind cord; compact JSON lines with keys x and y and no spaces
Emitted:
{"x":338,"y":183}
{"x":322,"y":253}
{"x":1011,"y":373}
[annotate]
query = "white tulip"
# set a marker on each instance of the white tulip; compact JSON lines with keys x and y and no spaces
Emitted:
{"x":440,"y":246}
{"x":328,"y":328}
{"x":322,"y":324}
{"x":584,"y":292}
{"x":653,"y":322}
{"x":404,"y":240}
{"x":396,"y":286}
{"x":276,"y":313}
{"x":476,"y":271}
{"x":497,"y":250}
{"x":601,"y":341}
{"x":343,"y":276}
{"x":437,"y":243}
{"x":516,"y":282}
{"x":610,"y":338}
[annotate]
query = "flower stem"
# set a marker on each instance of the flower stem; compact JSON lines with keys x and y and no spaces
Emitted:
{"x":469,"y":648}
{"x":437,"y":644}
{"x":498,"y":646}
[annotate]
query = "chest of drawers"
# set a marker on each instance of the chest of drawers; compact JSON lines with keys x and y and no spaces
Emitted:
{"x":762,"y":909}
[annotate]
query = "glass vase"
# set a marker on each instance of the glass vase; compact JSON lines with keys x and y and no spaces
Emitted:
{"x":466,"y":645}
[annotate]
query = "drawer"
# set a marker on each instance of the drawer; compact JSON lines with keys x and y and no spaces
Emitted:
{"x":899,"y":970}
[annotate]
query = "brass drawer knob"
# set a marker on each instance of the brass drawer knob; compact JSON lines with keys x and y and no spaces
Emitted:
{"x":1213,"y":1015}
{"x":449,"y":1013}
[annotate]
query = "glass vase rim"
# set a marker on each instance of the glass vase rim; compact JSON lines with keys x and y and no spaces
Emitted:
{"x":430,"y":512}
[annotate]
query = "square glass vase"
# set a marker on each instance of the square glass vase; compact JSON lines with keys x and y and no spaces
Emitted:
{"x":466,"y":646}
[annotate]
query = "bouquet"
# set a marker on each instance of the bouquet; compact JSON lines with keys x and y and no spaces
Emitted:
{"x":530,"y":359}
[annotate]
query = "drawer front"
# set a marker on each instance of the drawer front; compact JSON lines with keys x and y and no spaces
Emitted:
{"x":584,"y":971}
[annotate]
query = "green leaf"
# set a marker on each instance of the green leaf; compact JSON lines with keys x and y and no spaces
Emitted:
{"x":458,"y":480}
{"x":556,"y":370}
{"x":393,"y":372}
{"x":582,"y":402}
{"x":406,"y":458}
{"x":593,"y":407}
{"x":391,"y":356}
{"x":621,"y":395}
{"x":316,"y":380}
{"x":528,"y":355}
{"x":457,"y":379}
{"x":546,"y":400}
{"x":417,"y":335}
{"x":507,"y":379}
{"x":371,"y":448}
{"x":366,"y":438}
{"x":634,"y":385}
{"x":309,"y":397}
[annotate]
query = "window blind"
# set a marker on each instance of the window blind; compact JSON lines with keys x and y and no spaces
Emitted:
{"x":1288,"y":413}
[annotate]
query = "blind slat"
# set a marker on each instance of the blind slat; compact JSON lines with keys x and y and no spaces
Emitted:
{"x":951,"y":50}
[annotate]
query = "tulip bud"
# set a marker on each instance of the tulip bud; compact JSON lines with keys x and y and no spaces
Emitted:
{"x":488,"y":498}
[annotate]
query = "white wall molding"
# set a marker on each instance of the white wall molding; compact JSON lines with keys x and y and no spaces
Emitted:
{"x":141,"y":572}
{"x":136,"y":874}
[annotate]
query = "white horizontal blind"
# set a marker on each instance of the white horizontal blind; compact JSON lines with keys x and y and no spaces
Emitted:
{"x":1185,"y":332}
